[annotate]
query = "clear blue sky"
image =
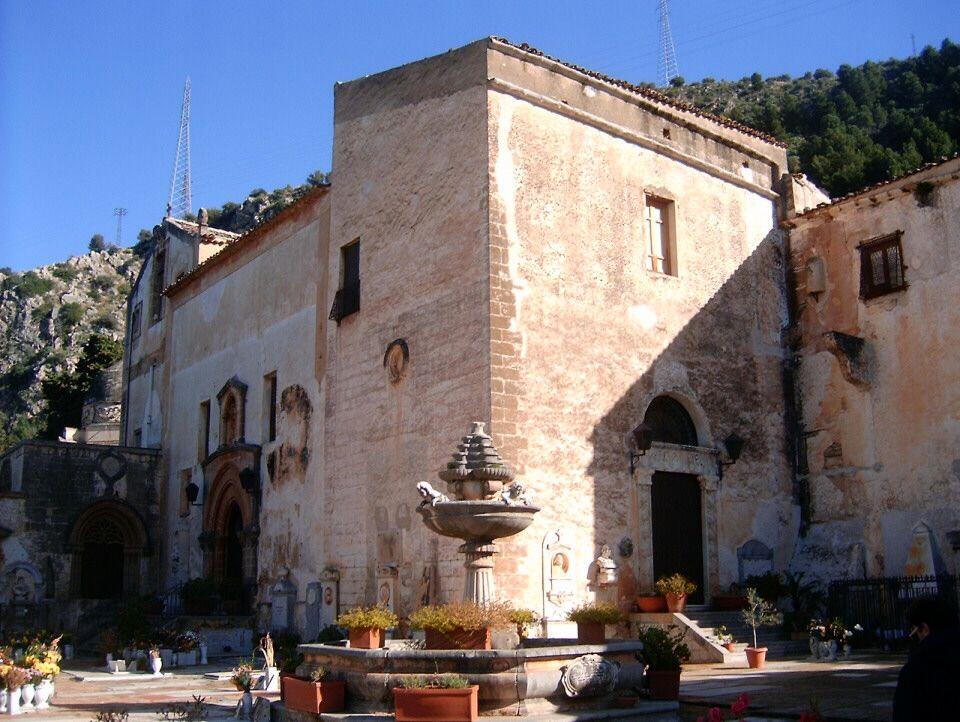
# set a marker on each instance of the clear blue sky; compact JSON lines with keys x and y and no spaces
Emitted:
{"x":90,"y":91}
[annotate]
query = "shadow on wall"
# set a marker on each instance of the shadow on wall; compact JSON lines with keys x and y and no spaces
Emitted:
{"x":725,"y":366}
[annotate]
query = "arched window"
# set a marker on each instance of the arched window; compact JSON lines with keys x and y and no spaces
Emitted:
{"x":670,"y":423}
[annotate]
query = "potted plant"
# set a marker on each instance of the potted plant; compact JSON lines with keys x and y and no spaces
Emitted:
{"x":28,"y":690}
{"x":187,"y":643}
{"x":365,"y":625}
{"x":156,"y":663}
{"x":242,"y":679}
{"x":523,"y":618}
{"x":314,"y":695}
{"x":724,"y":638}
{"x":651,"y":603}
{"x":758,"y":613}
{"x":15,"y":678}
{"x":592,"y":619}
{"x":675,"y":589}
{"x":460,"y":625}
{"x":446,"y":697}
{"x":663,"y":652}
{"x":805,"y":601}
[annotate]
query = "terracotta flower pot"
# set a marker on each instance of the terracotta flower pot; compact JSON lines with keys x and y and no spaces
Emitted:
{"x":664,"y":684}
{"x":591,"y":633}
{"x":424,"y":705}
{"x":652,"y":604}
{"x":676,"y":602}
{"x":365,"y":637}
{"x":626,"y":701}
{"x":728,"y":646}
{"x":305,"y":695}
{"x":458,"y":639}
{"x":756,"y":657}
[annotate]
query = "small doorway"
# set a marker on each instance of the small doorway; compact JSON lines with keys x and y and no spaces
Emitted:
{"x":101,"y":571}
{"x":678,"y":528}
{"x":231,"y":582}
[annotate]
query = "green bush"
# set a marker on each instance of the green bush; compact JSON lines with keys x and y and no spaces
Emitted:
{"x":596,"y":613}
{"x":30,"y":285}
{"x":460,"y":615}
{"x":368,"y":617}
{"x":65,"y":273}
{"x":42,"y":311}
{"x":105,"y":321}
{"x":434,"y":681}
{"x":663,"y":649}
{"x":70,"y":314}
{"x":102,"y":282}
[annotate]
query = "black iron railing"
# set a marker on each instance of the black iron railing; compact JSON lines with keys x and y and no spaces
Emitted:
{"x":880,"y":605}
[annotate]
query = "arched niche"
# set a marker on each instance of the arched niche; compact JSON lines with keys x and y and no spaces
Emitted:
{"x":107,"y":542}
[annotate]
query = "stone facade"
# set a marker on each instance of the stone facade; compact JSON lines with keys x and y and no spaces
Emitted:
{"x":517,"y":241}
{"x":78,"y":533}
{"x":878,"y":381}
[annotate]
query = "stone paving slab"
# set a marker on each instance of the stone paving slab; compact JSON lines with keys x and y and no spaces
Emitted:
{"x":859,"y":688}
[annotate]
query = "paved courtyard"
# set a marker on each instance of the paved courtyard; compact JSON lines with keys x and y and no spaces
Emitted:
{"x":860,"y":688}
{"x":857,"y":689}
{"x":143,"y":696}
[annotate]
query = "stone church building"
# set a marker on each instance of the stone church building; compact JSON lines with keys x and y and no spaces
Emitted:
{"x":563,"y":256}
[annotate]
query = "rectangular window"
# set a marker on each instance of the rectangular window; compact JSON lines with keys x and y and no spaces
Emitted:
{"x":661,"y":245}
{"x":347,"y":300}
{"x":156,"y":288}
{"x":138,"y":438}
{"x":135,"y":321}
{"x":270,"y":406}
{"x":881,"y":266}
{"x":186,"y":476}
{"x":203,"y":437}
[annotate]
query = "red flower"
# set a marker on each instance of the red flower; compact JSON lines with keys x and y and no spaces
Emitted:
{"x":740,"y":705}
{"x":715,"y":715}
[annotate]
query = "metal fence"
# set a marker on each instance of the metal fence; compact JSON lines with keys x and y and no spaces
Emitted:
{"x":880,"y":605}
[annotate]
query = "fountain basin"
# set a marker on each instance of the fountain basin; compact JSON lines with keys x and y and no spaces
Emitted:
{"x":525,"y":681}
{"x":477,"y":521}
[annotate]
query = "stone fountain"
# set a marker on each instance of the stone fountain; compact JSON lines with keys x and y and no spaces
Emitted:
{"x":485,"y":504}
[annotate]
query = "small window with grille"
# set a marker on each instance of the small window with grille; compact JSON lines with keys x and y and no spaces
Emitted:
{"x":347,"y":299}
{"x":881,"y":266}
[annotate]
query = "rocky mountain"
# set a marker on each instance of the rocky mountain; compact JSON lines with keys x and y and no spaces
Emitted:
{"x":46,"y":316}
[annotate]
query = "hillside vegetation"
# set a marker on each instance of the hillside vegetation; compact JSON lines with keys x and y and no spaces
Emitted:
{"x":852,"y":128}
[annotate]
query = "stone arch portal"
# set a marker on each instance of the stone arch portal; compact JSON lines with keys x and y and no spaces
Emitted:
{"x":229,"y":538}
{"x":108,"y":542}
{"x":676,"y":485}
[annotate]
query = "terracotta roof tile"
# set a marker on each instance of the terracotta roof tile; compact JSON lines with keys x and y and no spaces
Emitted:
{"x":246,"y":238}
{"x":649,"y":93}
{"x":876,"y":186}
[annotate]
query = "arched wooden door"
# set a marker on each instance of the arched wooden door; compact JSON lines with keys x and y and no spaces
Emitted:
{"x":107,"y":541}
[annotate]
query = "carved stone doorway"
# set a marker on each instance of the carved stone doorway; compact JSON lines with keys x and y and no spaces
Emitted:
{"x":677,"y":528}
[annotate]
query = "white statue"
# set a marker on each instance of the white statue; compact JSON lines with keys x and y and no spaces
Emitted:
{"x":430,"y":495}
{"x":516,"y":495}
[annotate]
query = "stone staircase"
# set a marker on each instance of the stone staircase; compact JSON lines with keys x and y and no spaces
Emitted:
{"x":769,"y":637}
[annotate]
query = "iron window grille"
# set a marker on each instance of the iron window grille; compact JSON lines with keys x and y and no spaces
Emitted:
{"x":881,"y":266}
{"x":347,"y":299}
{"x":135,"y":320}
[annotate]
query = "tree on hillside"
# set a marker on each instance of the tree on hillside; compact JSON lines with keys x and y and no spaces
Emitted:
{"x":861,"y":126}
{"x":97,"y":243}
{"x":64,"y":392}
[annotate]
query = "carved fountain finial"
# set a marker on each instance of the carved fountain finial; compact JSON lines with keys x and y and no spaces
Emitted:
{"x":477,"y":471}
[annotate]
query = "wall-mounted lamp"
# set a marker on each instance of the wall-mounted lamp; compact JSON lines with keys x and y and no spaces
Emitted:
{"x":734,"y":445}
{"x":193,"y":492}
{"x":642,"y":440}
{"x":249,"y":481}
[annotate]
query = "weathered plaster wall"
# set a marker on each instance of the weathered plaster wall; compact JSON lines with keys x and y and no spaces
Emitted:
{"x":252,"y":315}
{"x":410,"y":162}
{"x":583,"y":336}
{"x":882,"y":445}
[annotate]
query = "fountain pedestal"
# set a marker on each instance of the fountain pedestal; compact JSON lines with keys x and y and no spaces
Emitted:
{"x":478,"y":585}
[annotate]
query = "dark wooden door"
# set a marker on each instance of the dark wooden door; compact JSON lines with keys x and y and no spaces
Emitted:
{"x":678,"y":529}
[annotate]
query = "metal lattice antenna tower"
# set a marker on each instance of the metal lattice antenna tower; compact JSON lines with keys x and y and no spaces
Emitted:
{"x":120,"y":213}
{"x":667,"y":57}
{"x":180,"y":202}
